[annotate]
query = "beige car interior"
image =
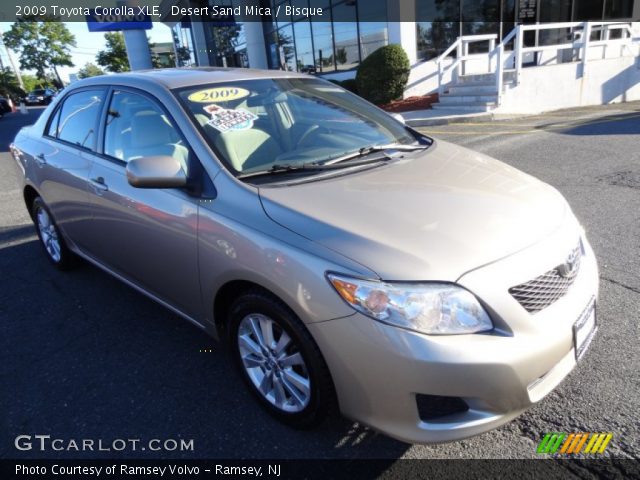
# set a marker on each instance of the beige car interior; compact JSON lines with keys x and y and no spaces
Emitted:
{"x":141,"y":129}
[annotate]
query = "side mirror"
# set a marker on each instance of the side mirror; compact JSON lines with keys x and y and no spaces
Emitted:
{"x":156,"y":172}
{"x":399,"y":118}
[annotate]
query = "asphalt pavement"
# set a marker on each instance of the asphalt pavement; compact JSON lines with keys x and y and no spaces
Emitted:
{"x":84,"y":356}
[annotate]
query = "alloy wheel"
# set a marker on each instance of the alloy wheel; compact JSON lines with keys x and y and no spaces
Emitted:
{"x":274,"y":363}
{"x":49,"y":235}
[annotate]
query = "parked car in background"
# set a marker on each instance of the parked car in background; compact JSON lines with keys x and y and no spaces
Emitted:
{"x":426,"y":290}
{"x":6,"y":105}
{"x":41,"y":96}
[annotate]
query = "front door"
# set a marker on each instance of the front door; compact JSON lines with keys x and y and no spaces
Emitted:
{"x":149,"y":236}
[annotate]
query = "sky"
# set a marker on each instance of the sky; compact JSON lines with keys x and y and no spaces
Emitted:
{"x":88,"y":44}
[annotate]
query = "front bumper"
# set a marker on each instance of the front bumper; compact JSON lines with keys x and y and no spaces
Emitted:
{"x":379,"y":369}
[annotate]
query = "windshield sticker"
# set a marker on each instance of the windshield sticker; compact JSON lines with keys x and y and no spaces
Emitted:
{"x":218,"y":94}
{"x":223,"y":119}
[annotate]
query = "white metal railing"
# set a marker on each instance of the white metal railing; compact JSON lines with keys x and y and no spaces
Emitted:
{"x":580,"y":34}
{"x":461,"y":45}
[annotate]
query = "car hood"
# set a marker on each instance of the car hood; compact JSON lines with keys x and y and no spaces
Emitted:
{"x":430,"y":216}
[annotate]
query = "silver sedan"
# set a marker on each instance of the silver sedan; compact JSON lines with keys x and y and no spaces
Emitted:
{"x":350,"y":262}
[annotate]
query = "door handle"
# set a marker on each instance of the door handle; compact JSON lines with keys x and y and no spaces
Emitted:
{"x":41,"y":159}
{"x":99,"y":184}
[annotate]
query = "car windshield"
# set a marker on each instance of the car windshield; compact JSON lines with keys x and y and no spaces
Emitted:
{"x":261,"y":125}
{"x":38,"y":92}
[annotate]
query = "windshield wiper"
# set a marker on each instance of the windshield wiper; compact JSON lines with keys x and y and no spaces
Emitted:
{"x":333,"y":163}
{"x":283,"y":168}
{"x":364,"y":151}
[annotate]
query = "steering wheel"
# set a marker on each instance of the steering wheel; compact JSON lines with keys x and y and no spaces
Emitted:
{"x":309,"y":130}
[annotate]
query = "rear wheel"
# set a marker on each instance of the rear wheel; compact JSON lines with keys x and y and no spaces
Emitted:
{"x":50,"y":237}
{"x":279,"y":360}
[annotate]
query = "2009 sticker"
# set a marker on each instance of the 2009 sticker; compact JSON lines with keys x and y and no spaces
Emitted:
{"x":224,"y":119}
{"x":218,"y":94}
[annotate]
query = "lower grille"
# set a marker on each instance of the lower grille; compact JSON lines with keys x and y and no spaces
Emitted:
{"x":542,"y":291}
{"x":431,"y":407}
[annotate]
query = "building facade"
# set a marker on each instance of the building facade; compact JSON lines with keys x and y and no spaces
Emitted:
{"x":353,"y":29}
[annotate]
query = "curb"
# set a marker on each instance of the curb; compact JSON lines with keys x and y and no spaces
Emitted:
{"x":446,"y":120}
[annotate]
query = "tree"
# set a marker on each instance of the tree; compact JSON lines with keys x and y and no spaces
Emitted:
{"x":114,"y":56}
{"x":341,"y":55}
{"x":9,"y":85}
{"x":90,"y":70}
{"x":160,"y":60}
{"x":42,"y":45}
{"x":31,"y":82}
{"x":184,"y":56}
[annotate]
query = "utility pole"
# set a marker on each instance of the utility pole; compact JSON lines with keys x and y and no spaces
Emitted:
{"x":13,"y":65}
{"x":2,"y":72}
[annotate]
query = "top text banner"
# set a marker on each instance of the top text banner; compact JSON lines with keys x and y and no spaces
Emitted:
{"x":171,"y":11}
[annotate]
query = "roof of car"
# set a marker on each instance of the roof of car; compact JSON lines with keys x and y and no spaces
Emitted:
{"x":184,"y":77}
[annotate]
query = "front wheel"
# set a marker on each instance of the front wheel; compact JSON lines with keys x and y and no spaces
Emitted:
{"x":50,"y":238}
{"x":279,"y":360}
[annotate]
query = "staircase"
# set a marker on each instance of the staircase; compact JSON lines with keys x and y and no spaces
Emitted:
{"x":473,"y":93}
{"x":499,"y":69}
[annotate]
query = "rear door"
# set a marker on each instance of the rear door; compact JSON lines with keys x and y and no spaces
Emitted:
{"x":149,"y":236}
{"x":63,"y":159}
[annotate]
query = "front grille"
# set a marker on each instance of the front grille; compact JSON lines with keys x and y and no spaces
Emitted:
{"x":539,"y":293}
{"x":431,"y":407}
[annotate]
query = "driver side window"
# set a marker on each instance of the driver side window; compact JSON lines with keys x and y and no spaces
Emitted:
{"x":137,"y":127}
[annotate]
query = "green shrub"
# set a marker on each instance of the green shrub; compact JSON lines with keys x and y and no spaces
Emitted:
{"x":383,"y":75}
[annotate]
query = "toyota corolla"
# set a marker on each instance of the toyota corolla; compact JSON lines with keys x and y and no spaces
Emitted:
{"x":350,"y":262}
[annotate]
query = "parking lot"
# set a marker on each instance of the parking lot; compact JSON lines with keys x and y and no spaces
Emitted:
{"x":84,"y":356}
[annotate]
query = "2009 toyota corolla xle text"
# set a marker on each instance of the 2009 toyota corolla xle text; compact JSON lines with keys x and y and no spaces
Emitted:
{"x":426,"y":290}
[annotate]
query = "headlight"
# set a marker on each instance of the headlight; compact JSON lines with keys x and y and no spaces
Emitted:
{"x":432,"y":308}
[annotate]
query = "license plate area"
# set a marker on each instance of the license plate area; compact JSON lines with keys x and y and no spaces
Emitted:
{"x":584,"y":329}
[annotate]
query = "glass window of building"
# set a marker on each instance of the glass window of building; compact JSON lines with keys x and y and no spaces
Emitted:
{"x":324,"y":4}
{"x":345,"y":31}
{"x":554,"y":11}
{"x":435,"y":36}
{"x":304,"y":47}
{"x":281,"y":13}
{"x":617,"y":9}
{"x":508,"y":17}
{"x":588,"y":10}
{"x":271,"y":42}
{"x":183,"y":41}
{"x":323,"y":46}
{"x":480,"y":16}
{"x":286,"y":48}
{"x":228,"y":38}
{"x":373,"y":33}
{"x":297,"y":5}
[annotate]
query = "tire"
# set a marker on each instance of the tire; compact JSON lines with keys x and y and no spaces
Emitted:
{"x":51,"y":240}
{"x":288,"y":365}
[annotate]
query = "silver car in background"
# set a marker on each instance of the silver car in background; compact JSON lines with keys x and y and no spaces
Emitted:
{"x":350,"y":262}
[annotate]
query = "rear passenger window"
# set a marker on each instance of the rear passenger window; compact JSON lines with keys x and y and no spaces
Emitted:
{"x":78,"y":118}
{"x":137,"y":127}
{"x":52,"y":130}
